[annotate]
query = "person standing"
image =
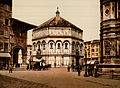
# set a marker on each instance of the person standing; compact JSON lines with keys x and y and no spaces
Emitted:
{"x":78,"y":70}
{"x":68,"y":68}
{"x":72,"y":66}
{"x":10,"y":69}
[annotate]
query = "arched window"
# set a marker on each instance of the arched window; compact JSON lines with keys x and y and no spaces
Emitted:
{"x":44,"y":46}
{"x":38,"y":47}
{"x":66,"y":45}
{"x":81,"y":47}
{"x":51,"y":45}
{"x":58,"y":45}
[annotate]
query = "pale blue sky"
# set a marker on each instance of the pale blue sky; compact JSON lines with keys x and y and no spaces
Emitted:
{"x":85,"y":14}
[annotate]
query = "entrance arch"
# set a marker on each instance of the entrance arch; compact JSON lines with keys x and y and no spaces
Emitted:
{"x":18,"y":52}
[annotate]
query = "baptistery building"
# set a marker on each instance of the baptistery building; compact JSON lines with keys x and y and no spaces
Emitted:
{"x":58,"y":42}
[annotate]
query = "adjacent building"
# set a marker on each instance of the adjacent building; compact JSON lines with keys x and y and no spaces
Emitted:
{"x":58,"y":42}
{"x":5,"y":14}
{"x":92,"y":51}
{"x":110,"y":32}
{"x":13,"y":36}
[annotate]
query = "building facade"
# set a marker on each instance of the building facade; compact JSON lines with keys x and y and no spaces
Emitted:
{"x":5,"y":14}
{"x":92,"y":51}
{"x":29,"y":53}
{"x":110,"y":31}
{"x":58,"y":42}
{"x":13,"y":35}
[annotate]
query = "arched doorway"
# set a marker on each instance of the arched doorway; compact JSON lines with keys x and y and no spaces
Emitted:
{"x":18,"y":56}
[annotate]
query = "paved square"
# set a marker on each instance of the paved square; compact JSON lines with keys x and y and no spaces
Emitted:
{"x":60,"y":78}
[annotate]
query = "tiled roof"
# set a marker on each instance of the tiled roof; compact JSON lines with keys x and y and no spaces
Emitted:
{"x":57,"y":21}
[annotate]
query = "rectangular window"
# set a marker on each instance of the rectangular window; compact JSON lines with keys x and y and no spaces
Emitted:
{"x":92,"y":50}
{"x":1,"y":45}
{"x":6,"y":33}
{"x":88,"y":47}
{"x":1,"y":32}
{"x":7,"y":7}
{"x":96,"y":54}
{"x":96,"y":49}
{"x":96,"y":45}
{"x":6,"y":22}
{"x":92,"y":46}
{"x":6,"y":47}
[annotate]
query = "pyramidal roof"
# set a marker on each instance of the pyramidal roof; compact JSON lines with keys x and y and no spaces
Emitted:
{"x":57,"y":21}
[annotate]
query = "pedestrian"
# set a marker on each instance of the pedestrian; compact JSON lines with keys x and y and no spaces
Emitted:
{"x":10,"y":69}
{"x":28,"y":67}
{"x":68,"y":68}
{"x":72,"y":66}
{"x":78,"y":70}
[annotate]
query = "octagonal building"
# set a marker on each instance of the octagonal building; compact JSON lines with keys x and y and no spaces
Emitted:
{"x":58,"y":42}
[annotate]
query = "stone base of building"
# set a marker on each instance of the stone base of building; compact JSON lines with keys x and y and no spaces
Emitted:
{"x":112,"y":61}
{"x":108,"y":70}
{"x":59,"y":61}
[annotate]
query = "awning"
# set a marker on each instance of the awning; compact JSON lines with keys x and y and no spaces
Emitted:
{"x":5,"y":55}
{"x":92,"y":62}
{"x":88,"y":62}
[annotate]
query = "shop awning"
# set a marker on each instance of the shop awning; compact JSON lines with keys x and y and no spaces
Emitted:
{"x":92,"y":62}
{"x":88,"y":62}
{"x":5,"y":55}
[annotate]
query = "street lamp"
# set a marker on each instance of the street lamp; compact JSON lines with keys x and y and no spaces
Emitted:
{"x":85,"y":75}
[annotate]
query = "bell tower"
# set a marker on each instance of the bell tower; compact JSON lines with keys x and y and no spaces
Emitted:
{"x":110,"y":31}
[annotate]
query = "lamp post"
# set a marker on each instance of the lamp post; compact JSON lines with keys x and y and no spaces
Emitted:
{"x":85,"y":75}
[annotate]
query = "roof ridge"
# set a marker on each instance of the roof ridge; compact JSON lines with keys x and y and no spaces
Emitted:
{"x":54,"y":22}
{"x":46,"y":22}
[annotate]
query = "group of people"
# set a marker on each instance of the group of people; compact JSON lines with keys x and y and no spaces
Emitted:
{"x":90,"y":69}
{"x":75,"y":68}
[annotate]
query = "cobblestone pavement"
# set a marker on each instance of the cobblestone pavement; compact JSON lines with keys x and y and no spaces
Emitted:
{"x":60,"y":78}
{"x":9,"y":82}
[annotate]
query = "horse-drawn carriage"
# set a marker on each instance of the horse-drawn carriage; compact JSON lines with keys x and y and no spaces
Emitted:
{"x":41,"y":65}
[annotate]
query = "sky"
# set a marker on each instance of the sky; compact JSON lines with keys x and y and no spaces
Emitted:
{"x":85,"y":14}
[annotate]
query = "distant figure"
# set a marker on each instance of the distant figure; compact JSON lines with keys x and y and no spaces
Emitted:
{"x":28,"y":67}
{"x":55,"y":65}
{"x":79,"y":68}
{"x":68,"y":68}
{"x":10,"y":69}
{"x":72,"y":66}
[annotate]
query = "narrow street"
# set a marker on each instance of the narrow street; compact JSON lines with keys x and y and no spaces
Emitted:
{"x":56,"y":78}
